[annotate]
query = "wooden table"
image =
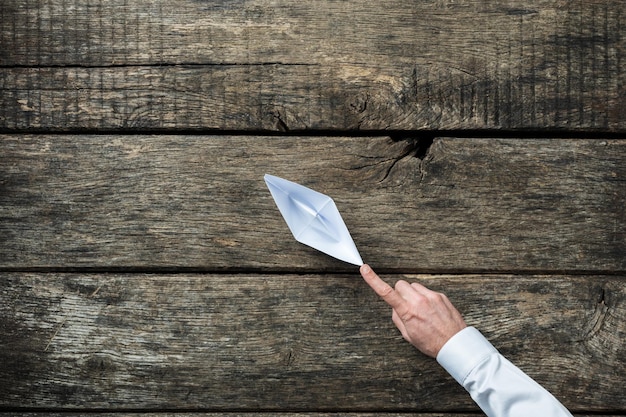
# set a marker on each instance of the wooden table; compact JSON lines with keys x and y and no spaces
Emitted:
{"x":477,"y":147}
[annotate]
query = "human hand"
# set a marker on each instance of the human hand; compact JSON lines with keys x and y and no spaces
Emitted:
{"x":426,"y":319}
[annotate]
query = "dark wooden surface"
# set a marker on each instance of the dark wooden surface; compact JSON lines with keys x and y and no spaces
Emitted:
{"x":349,"y":65}
{"x":136,"y":341}
{"x":263,"y":414}
{"x":478,"y":147}
{"x":200,"y":202}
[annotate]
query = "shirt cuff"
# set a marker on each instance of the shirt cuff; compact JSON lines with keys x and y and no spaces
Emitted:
{"x":463,"y":352}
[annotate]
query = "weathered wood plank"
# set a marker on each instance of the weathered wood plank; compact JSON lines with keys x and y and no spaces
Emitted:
{"x":305,"y":342}
{"x":232,"y":97}
{"x":315,"y":65}
{"x":200,"y":202}
{"x":239,"y":414}
{"x":118,"y":32}
{"x":282,"y":97}
{"x":257,"y":414}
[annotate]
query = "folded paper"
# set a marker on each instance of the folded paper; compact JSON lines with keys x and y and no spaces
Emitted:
{"x":313,"y":219}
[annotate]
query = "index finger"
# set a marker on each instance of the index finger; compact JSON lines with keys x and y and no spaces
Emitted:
{"x":383,"y":289}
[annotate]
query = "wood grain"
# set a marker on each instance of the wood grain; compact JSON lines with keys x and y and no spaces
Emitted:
{"x":240,"y":414}
{"x":199,"y":202}
{"x":145,"y":270}
{"x":257,"y":65}
{"x":304,"y":342}
{"x":257,"y":414}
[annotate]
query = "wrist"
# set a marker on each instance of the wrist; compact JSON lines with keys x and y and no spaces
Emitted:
{"x":463,"y":351}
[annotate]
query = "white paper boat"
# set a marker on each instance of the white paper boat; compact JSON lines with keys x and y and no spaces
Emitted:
{"x":313,"y":219}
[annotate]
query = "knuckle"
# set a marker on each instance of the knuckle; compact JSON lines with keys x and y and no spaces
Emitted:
{"x":385,"y":291}
{"x":406,"y":316}
{"x":399,"y":284}
{"x":436,"y":296}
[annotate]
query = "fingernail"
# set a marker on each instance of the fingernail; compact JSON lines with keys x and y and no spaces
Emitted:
{"x":365,"y":268}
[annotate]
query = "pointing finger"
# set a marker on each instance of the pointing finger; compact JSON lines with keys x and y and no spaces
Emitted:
{"x":383,"y":289}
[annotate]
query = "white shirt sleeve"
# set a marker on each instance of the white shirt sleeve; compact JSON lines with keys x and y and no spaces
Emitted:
{"x":498,"y":387}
